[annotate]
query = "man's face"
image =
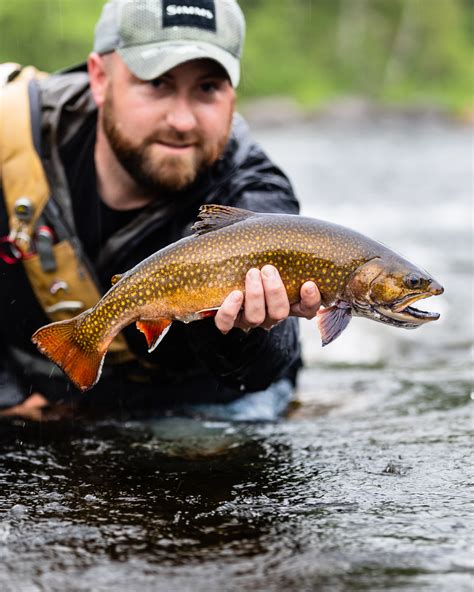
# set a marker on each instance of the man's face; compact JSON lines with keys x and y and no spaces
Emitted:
{"x":166,"y":131}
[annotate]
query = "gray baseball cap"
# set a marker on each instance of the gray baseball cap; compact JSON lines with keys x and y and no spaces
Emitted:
{"x":153,"y":36}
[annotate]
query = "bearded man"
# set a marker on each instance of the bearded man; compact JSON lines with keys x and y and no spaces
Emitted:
{"x":131,"y":149}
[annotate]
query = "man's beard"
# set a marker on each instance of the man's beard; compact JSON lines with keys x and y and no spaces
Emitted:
{"x":157,"y":174}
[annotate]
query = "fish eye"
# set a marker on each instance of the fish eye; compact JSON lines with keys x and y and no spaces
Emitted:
{"x":413,"y":281}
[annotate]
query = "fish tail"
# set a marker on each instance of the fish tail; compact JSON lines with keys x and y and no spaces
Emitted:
{"x":80,"y":361}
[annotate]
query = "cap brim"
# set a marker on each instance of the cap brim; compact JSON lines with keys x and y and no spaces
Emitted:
{"x":154,"y":59}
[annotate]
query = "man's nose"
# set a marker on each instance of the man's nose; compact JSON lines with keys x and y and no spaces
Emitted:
{"x":181,"y":116}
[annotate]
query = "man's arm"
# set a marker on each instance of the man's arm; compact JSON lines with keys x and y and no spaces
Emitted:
{"x":14,"y":401}
{"x":12,"y":397}
{"x":251,"y":359}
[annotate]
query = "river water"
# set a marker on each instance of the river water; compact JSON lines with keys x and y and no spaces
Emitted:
{"x":366,"y":486}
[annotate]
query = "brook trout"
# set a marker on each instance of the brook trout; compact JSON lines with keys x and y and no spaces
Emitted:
{"x":188,"y":280}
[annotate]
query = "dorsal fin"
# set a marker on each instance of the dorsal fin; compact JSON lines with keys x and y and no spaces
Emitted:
{"x":115,"y":278}
{"x":213,"y":216}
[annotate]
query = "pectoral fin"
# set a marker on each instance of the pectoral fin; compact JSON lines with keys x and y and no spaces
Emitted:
{"x":154,"y":331}
{"x":333,"y":320}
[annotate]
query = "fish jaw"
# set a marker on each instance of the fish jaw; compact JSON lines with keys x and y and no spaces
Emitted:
{"x":397,"y":314}
{"x":403,"y":312}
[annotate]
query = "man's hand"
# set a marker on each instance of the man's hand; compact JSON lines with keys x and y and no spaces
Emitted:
{"x":37,"y":408}
{"x":266,"y":302}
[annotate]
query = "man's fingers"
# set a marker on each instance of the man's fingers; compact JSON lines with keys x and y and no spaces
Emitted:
{"x":266,"y":302}
{"x":278,"y":306}
{"x":254,"y":306}
{"x":30,"y":408}
{"x":310,"y":302}
{"x":229,"y":311}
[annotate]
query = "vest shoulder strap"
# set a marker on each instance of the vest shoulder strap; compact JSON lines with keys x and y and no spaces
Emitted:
{"x":68,"y":287}
{"x":25,"y":186}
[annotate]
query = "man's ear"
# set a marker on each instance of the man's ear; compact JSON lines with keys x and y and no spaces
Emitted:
{"x":98,"y":77}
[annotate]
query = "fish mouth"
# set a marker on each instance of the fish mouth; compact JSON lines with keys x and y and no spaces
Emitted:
{"x":403,"y":314}
{"x":398,"y":314}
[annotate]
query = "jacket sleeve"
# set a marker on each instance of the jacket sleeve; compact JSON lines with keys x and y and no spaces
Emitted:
{"x":11,"y":392}
{"x":248,"y":361}
{"x":252,"y":361}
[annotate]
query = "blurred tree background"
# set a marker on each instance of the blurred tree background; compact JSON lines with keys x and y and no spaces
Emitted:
{"x":406,"y":51}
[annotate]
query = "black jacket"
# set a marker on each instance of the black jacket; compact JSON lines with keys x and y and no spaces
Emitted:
{"x":194,"y":362}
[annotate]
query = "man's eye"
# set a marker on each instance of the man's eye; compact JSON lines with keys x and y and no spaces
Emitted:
{"x":157,"y":82}
{"x":208,"y":87}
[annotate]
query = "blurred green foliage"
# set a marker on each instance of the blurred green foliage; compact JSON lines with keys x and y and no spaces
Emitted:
{"x":313,"y":50}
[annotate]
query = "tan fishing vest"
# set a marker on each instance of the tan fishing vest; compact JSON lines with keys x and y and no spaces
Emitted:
{"x":60,"y":280}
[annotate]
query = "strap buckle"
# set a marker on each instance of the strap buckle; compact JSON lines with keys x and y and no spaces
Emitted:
{"x":9,"y":252}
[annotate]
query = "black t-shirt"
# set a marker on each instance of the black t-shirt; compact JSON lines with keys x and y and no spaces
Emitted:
{"x":95,"y":221}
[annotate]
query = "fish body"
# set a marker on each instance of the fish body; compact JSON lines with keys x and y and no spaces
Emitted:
{"x":188,"y":280}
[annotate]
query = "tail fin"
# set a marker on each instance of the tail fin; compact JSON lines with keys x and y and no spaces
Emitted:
{"x":59,"y":342}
